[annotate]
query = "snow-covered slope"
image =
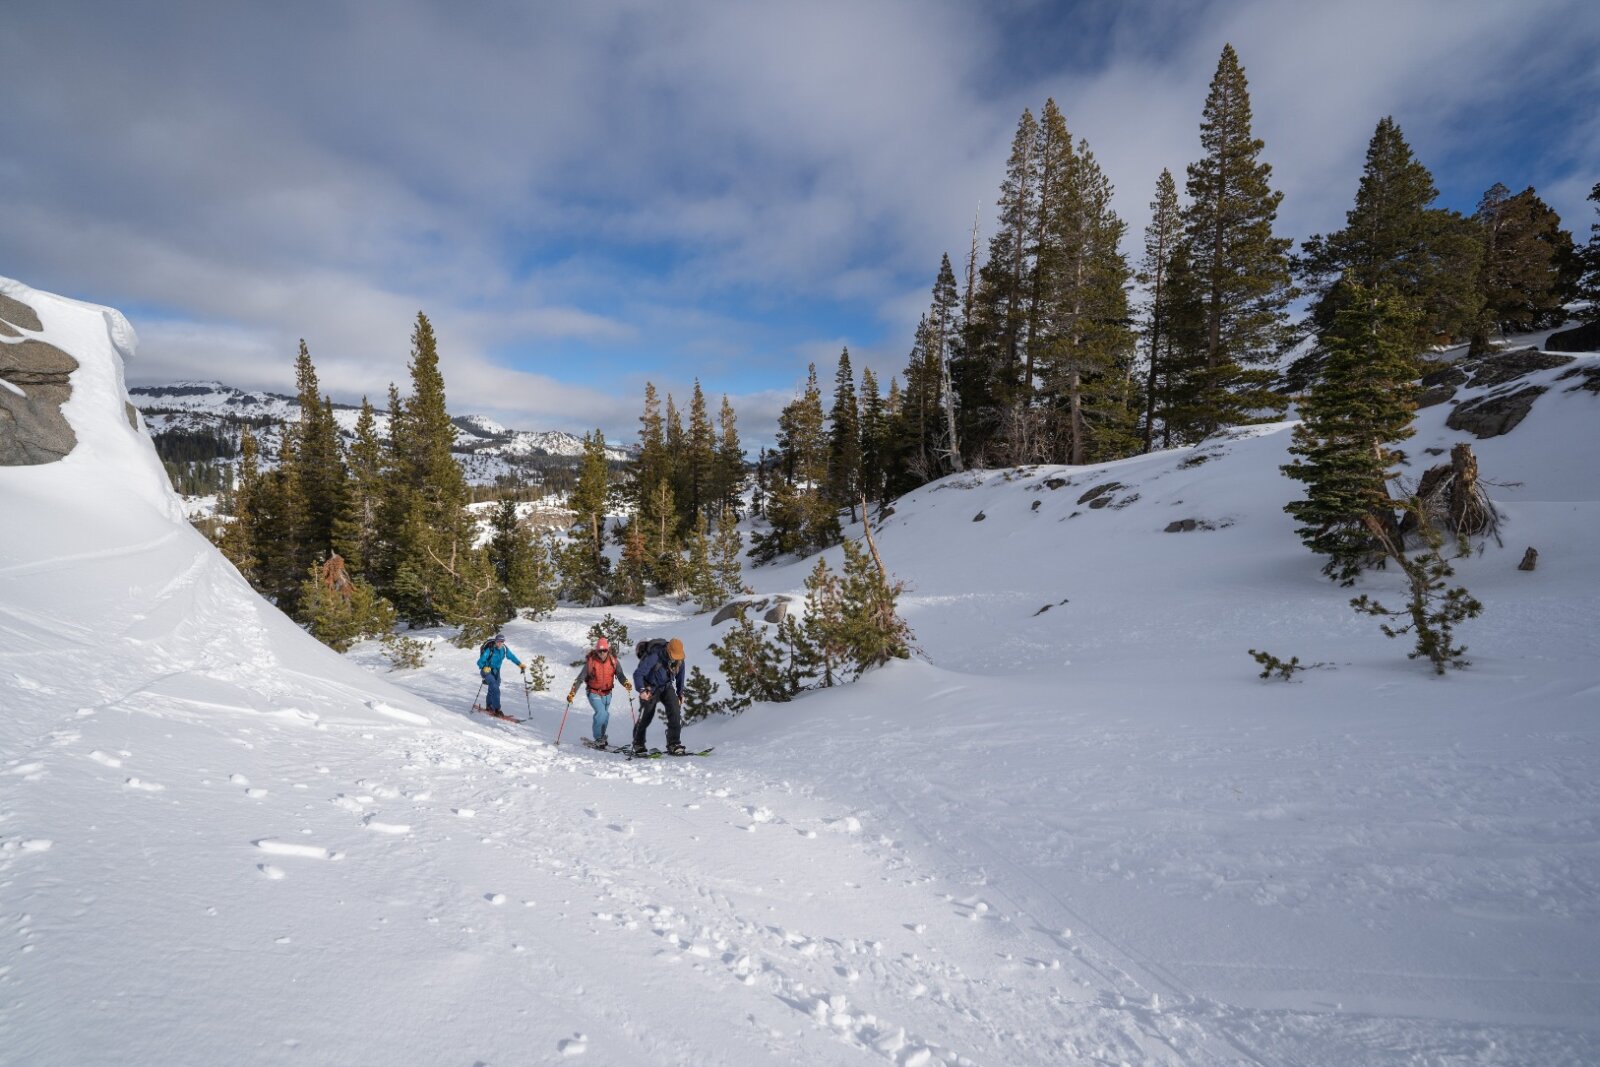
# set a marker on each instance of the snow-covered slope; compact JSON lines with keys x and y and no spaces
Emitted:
{"x":1085,"y":834}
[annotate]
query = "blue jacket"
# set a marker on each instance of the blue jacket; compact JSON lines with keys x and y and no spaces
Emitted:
{"x":652,"y":674}
{"x":493,"y":656}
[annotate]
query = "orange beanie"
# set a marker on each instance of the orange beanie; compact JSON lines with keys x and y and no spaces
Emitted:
{"x":675,"y":649}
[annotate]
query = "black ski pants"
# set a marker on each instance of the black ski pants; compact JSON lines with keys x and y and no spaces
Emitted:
{"x":668,"y":697}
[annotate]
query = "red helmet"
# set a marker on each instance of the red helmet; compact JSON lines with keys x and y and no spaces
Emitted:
{"x":602,"y":645}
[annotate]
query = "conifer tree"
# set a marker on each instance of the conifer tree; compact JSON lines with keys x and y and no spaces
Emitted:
{"x":358,"y":534}
{"x":589,"y":506}
{"x":944,"y":342}
{"x":1048,"y":252}
{"x":844,"y":439}
{"x":1589,"y":286}
{"x":633,"y":568}
{"x":521,"y":564}
{"x":987,"y":377}
{"x":824,"y":626}
{"x":874,"y":440}
{"x":677,"y":442}
{"x":1355,"y":414}
{"x":1393,"y":239}
{"x":439,"y":575}
{"x":239,"y":536}
{"x":341,"y":616}
{"x":729,"y":465}
{"x":1161,"y":239}
{"x":1243,"y":270}
{"x":316,"y":477}
{"x":726,"y":553}
{"x":917,"y":430}
{"x":1525,"y":275}
{"x":699,"y":460}
{"x":700,"y":576}
{"x":1085,"y":341}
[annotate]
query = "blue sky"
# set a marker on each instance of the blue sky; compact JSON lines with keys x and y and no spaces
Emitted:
{"x":583,"y":196}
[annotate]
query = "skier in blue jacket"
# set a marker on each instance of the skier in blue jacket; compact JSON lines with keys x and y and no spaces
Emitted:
{"x":659,"y":679}
{"x":489,"y":660}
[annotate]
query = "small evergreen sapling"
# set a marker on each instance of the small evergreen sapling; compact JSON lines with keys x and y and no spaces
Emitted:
{"x":750,"y":665}
{"x":405,"y":653}
{"x":539,"y":675}
{"x":612,"y":629}
{"x":1434,"y":610}
{"x":1273,"y":666}
{"x":699,"y":696}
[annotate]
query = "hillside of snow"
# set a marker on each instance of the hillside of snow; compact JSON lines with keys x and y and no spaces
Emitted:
{"x":1079,"y":831}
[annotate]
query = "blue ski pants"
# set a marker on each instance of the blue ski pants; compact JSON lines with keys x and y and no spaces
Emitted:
{"x":492,"y":700}
{"x":601,"y":703}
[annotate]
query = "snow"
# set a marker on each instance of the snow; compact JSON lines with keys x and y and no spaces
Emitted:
{"x":1082,"y":834}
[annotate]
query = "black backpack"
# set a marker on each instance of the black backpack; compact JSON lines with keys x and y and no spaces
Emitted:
{"x":655,"y":644}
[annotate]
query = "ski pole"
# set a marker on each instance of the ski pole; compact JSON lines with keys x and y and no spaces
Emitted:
{"x":527,"y":694}
{"x":632,"y":713}
{"x":563,"y":722}
{"x":476,"y":695}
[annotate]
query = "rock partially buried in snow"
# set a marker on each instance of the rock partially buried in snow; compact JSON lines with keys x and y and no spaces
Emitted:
{"x":35,"y":380}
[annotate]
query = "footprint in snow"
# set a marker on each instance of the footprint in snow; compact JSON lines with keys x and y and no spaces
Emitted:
{"x":105,"y":759}
{"x":27,"y":771}
{"x":274,"y":873}
{"x":385,"y":827}
{"x":141,"y":784}
{"x":576,"y":1045}
{"x":274,"y":847}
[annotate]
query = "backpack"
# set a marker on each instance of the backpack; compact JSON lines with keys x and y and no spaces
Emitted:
{"x":654,"y":644}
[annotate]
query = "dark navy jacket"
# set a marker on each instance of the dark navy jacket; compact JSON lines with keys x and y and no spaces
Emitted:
{"x":652,"y":674}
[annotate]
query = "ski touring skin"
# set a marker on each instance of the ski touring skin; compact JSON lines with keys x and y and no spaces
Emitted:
{"x":656,"y":753}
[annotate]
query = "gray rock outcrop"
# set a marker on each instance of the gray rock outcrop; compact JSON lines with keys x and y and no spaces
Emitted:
{"x":1585,"y":338}
{"x":1496,"y":414}
{"x":35,"y":380}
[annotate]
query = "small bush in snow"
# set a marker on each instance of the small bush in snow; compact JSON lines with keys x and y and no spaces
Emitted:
{"x":539,"y":674}
{"x":405,"y":653}
{"x":612,"y":629}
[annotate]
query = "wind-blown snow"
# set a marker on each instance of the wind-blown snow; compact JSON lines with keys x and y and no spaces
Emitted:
{"x":1081,"y":834}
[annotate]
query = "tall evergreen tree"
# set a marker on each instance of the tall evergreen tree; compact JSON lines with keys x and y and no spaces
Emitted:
{"x":1243,"y":268}
{"x":874,"y":439}
{"x":943,"y":344}
{"x":1086,"y":341}
{"x":1589,"y":287}
{"x":1526,"y":274}
{"x":1393,"y":239}
{"x":316,"y":475}
{"x":729,"y":464}
{"x":844,"y":439}
{"x":1161,"y":239}
{"x":239,"y":536}
{"x":988,"y":377}
{"x":1364,"y":404}
{"x":358,"y":535}
{"x":699,"y":459}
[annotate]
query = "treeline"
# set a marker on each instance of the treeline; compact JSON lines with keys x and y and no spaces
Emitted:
{"x":1039,"y":353}
{"x":392,"y":510}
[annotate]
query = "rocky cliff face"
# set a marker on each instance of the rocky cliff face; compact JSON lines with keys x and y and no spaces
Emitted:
{"x":35,"y":380}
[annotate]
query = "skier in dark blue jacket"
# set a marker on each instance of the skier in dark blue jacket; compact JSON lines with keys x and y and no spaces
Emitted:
{"x":659,"y":679}
{"x":493,"y":655}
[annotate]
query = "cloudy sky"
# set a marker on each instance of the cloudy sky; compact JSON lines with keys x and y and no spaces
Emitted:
{"x":582,"y":196}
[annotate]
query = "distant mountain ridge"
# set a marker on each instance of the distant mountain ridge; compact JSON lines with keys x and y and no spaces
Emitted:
{"x":200,"y":411}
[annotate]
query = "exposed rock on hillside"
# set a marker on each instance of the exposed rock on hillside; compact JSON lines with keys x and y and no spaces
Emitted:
{"x":35,"y":380}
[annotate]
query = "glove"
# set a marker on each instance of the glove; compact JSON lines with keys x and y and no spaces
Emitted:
{"x":486,"y":672}
{"x":644,"y":694}
{"x":572,"y":694}
{"x":523,"y":667}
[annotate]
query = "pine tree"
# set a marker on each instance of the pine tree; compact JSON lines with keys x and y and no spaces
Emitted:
{"x":1161,"y":239}
{"x":824,"y":625}
{"x":1048,"y":251}
{"x":1086,"y":344}
{"x":699,"y":460}
{"x":341,"y":615}
{"x":633,"y":569}
{"x":700,"y":576}
{"x":751,"y":666}
{"x":988,"y":375}
{"x":676,"y":469}
{"x":729,"y":466}
{"x":357,"y":535}
{"x":1393,"y":239}
{"x":1527,"y":269}
{"x":316,"y":477}
{"x":916,"y":432}
{"x":521,"y":564}
{"x":1589,"y":283}
{"x":944,"y":344}
{"x":726,"y":553}
{"x":239,"y":536}
{"x":1243,"y":269}
{"x":589,"y":507}
{"x":844,"y":439}
{"x":1363,"y":405}
{"x":872,"y":630}
{"x":439,"y":575}
{"x":874,"y":440}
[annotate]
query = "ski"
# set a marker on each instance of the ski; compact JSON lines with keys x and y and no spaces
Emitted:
{"x":496,"y":714}
{"x":656,"y":753}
